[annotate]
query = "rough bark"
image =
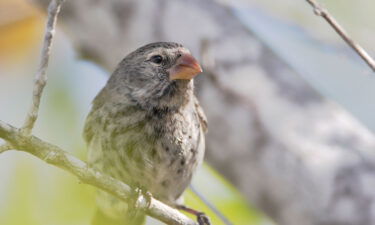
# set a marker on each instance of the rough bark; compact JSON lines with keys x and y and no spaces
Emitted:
{"x":294,"y":154}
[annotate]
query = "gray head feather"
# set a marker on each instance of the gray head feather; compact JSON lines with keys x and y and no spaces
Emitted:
{"x":142,"y":78}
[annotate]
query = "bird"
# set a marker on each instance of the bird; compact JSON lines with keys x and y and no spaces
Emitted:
{"x":146,"y":128}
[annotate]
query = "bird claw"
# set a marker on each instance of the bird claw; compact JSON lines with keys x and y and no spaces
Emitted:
{"x":138,"y":192}
{"x":148,"y":197}
{"x":203,"y":219}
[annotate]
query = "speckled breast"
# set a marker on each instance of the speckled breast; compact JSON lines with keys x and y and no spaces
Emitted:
{"x":156,"y":151}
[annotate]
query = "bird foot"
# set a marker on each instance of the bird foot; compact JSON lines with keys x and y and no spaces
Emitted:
{"x":202,"y":218}
{"x":138,"y":192}
{"x":148,"y":197}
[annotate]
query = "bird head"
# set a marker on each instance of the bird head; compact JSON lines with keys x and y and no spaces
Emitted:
{"x":157,"y":73}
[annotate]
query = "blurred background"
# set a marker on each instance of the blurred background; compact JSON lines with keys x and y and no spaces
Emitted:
{"x":34,"y":193}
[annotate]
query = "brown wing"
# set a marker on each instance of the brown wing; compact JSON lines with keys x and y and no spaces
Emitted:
{"x":201,"y":115}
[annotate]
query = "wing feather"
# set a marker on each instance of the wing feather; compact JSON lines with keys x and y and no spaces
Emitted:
{"x":201,"y":115}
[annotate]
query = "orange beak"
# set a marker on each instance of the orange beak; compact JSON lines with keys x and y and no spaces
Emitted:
{"x":186,"y":68}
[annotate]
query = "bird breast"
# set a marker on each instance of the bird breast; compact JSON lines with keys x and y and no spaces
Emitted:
{"x":157,"y":150}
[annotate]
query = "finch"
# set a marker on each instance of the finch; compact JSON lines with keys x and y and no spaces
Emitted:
{"x":146,"y":128}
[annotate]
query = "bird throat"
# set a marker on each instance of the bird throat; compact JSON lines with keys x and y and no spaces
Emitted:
{"x":177,"y":94}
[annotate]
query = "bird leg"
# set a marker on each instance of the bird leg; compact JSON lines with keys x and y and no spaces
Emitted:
{"x":201,"y":216}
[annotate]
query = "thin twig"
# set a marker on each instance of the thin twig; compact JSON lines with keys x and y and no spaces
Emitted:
{"x":60,"y":158}
{"x":320,"y":11}
{"x":41,"y":76}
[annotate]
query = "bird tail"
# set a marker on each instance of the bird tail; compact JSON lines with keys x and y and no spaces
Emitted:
{"x":130,"y":218}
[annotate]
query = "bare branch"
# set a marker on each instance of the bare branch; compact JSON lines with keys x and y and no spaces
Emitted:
{"x":60,"y":158}
{"x":41,"y":76}
{"x":320,"y":11}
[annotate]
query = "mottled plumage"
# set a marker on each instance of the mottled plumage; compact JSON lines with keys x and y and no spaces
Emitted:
{"x":146,"y":127}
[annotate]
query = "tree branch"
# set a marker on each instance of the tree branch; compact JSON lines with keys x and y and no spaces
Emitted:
{"x":320,"y":11}
{"x":21,"y":139}
{"x":41,"y":76}
{"x":56,"y":156}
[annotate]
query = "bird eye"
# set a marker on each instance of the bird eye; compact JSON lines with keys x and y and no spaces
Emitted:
{"x":157,"y":59}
